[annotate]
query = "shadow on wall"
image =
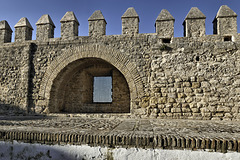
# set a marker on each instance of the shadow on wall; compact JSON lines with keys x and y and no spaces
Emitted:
{"x":22,"y":151}
{"x":12,"y":112}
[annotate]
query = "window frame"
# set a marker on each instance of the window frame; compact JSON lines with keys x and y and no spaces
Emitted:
{"x":96,"y":102}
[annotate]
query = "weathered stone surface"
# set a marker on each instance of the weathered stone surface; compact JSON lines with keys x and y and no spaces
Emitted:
{"x":225,"y":22}
{"x":14,"y":76}
{"x":195,"y":77}
{"x":23,"y":30}
{"x":45,"y":19}
{"x":195,"y":13}
{"x":97,"y":24}
{"x":45,"y":28}
{"x":69,"y":26}
{"x":5,"y":32}
{"x":4,"y":25}
{"x":225,"y":11}
{"x":194,"y":24}
{"x":141,"y":133}
{"x":23,"y":22}
{"x":68,"y":17}
{"x":165,"y":24}
{"x":130,"y":13}
{"x":164,"y":15}
{"x":130,"y":22}
{"x":97,"y":15}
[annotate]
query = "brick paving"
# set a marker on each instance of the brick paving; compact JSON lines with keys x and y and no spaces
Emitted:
{"x":163,"y":133}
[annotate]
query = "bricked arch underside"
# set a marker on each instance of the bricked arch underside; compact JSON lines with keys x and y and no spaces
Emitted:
{"x":71,"y":57}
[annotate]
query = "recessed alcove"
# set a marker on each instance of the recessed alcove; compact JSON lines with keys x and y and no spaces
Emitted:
{"x":73,"y":89}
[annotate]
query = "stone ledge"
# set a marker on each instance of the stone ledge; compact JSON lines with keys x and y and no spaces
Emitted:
{"x":114,"y":132}
{"x":156,"y":141}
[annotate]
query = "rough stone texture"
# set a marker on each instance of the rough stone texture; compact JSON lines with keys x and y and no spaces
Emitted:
{"x":5,"y":32}
{"x":130,"y":22}
{"x":14,"y":77}
{"x":225,"y":22}
{"x":165,"y":24}
{"x":69,"y":26}
{"x":45,"y":28}
{"x":194,"y":77}
{"x":97,"y":24}
{"x":116,"y":132}
{"x":194,"y":24}
{"x":23,"y":30}
{"x":73,"y":91}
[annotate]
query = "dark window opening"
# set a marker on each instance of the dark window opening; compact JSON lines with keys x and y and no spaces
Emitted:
{"x":166,"y":40}
{"x":102,"y":89}
{"x":227,"y":38}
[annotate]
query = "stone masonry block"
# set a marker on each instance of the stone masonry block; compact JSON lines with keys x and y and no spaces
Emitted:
{"x":162,"y":100}
{"x":181,"y":95}
{"x":171,"y":100}
{"x":188,"y":90}
{"x":165,"y":24}
{"x":194,"y":24}
{"x":97,"y":24}
{"x":45,"y":28}
{"x":225,"y":22}
{"x":153,"y":101}
{"x":23,"y":30}
{"x":130,"y":22}
{"x":195,"y":84}
{"x":195,"y":110}
{"x":176,"y":110}
{"x":69,"y":26}
{"x":5,"y":32}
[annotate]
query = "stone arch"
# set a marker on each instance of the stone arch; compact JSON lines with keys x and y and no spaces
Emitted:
{"x":115,"y":58}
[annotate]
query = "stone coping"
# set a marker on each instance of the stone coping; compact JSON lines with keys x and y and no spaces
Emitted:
{"x":216,"y":136}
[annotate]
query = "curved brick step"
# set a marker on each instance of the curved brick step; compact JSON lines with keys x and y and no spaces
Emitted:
{"x":139,"y":141}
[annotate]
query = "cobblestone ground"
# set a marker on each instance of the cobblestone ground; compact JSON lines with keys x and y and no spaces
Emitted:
{"x":118,"y":126}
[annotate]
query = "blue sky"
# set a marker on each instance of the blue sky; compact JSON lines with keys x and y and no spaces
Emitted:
{"x":148,"y":10}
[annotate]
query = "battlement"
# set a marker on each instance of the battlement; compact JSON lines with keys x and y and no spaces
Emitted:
{"x":224,"y":24}
{"x":153,"y":75}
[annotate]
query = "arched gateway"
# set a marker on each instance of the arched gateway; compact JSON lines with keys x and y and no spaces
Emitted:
{"x":70,"y":83}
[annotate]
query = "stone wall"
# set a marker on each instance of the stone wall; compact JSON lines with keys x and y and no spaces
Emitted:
{"x":196,"y":81}
{"x":14,"y":78}
{"x":154,"y":74}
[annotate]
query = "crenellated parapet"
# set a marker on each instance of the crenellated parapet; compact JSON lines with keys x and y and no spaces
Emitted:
{"x":97,"y":24}
{"x":224,"y":25}
{"x":45,"y":28}
{"x":194,"y":23}
{"x":165,"y":24}
{"x":69,"y":25}
{"x":5,"y":32}
{"x":130,"y":22}
{"x":152,"y":75}
{"x":225,"y":22}
{"x":23,"y":30}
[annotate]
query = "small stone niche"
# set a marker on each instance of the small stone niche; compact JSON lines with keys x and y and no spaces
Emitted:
{"x":227,"y":38}
{"x":166,"y":40}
